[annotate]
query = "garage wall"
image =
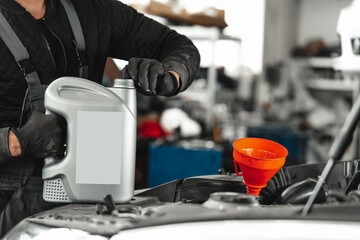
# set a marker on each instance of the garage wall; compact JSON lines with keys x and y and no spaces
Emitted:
{"x":318,"y":19}
{"x":280,"y":29}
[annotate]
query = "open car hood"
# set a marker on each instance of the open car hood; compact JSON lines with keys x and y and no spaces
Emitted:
{"x":217,"y":203}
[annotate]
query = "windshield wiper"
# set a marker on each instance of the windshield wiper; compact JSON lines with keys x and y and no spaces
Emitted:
{"x":341,"y":142}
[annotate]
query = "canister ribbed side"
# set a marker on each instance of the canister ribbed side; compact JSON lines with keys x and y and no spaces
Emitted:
{"x":124,"y":83}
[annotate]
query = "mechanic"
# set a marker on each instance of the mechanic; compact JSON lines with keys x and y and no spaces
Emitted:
{"x":161,"y":61}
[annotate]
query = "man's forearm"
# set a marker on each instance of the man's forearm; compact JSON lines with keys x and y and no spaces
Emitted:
{"x":5,"y":154}
{"x":14,"y":145}
{"x":177,"y":76}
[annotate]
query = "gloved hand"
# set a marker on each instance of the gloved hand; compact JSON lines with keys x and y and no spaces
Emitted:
{"x":42,"y":135}
{"x":152,"y":77}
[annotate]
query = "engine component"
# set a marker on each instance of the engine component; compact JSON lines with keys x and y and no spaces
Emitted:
{"x":299,"y":193}
{"x":231,"y":201}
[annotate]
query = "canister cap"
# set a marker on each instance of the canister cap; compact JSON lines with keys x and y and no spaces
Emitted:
{"x":124,"y":83}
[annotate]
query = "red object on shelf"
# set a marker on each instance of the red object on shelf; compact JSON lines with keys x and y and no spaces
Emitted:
{"x":152,"y":129}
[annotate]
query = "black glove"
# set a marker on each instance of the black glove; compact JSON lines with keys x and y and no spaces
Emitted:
{"x":42,"y":135}
{"x":152,"y":77}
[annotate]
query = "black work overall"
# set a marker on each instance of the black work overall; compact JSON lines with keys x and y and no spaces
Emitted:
{"x":21,"y":194}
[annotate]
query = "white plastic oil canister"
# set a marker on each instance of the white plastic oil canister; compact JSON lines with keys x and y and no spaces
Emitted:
{"x":101,"y":141}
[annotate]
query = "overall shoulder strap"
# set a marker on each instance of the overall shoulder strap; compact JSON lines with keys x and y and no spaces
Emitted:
{"x":19,"y":52}
{"x":78,"y":35}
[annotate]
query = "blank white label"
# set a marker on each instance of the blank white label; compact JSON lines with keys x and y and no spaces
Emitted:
{"x":99,"y":147}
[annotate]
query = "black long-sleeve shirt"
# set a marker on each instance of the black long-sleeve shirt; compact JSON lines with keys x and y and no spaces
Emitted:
{"x":111,"y":29}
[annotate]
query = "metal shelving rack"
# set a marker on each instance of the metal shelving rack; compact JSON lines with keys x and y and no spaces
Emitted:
{"x":207,"y":96}
{"x":346,"y":85}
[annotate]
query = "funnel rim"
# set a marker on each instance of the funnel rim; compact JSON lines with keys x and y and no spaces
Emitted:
{"x":286,"y":152}
{"x":264,"y":159}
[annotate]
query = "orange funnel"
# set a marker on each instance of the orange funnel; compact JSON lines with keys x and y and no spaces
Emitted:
{"x":259,"y":160}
